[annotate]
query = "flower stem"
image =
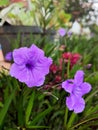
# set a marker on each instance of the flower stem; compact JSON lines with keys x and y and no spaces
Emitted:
{"x":71,"y":120}
{"x":65,"y":118}
{"x":68,"y":68}
{"x":83,"y":122}
{"x":49,"y":93}
{"x":66,"y":111}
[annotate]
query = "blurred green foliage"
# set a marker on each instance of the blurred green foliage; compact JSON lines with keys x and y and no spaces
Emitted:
{"x":4,"y":2}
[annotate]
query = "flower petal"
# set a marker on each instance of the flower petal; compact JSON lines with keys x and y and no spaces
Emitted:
{"x":34,"y":79}
{"x":79,"y":76}
{"x":75,"y":103}
{"x":34,"y":47}
{"x":85,"y":88}
{"x":43,"y":65}
{"x":70,"y":102}
{"x":20,"y":55}
{"x":29,"y":77}
{"x":79,"y":105}
{"x":68,"y":85}
{"x":19,"y":72}
{"x":36,"y":52}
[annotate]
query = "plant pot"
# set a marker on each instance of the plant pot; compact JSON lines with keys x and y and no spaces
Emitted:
{"x":8,"y":34}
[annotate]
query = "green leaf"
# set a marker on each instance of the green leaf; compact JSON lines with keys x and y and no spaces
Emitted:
{"x":1,"y":104}
{"x":4,"y":2}
{"x":36,"y":127}
{"x":41,"y":115}
{"x":20,"y":111}
{"x":91,"y":95}
{"x":95,"y":117}
{"x":29,"y":107}
{"x":71,"y":120}
{"x":4,"y":110}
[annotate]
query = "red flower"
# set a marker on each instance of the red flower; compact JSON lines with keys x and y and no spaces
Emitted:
{"x":57,"y":78}
{"x":60,"y":64}
{"x":67,"y":55}
{"x":73,"y":57}
{"x":53,"y":68}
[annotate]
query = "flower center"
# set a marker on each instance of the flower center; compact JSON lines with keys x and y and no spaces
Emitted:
{"x":29,"y":66}
{"x":77,"y":90}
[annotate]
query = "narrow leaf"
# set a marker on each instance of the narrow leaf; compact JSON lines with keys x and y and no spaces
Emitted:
{"x":41,"y":116}
{"x":36,"y":127}
{"x":4,"y":110}
{"x":29,"y":107}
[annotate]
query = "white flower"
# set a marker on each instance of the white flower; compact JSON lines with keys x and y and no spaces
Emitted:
{"x":96,"y":12}
{"x":86,"y":30}
{"x":91,"y":13}
{"x":87,"y":17}
{"x":93,"y":18}
{"x":90,"y":22}
{"x":76,"y":28}
{"x":97,"y":21}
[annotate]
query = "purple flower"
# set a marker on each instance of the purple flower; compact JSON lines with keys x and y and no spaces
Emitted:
{"x":69,"y":33}
{"x":62,"y":32}
{"x":8,"y":56}
{"x":30,"y":65}
{"x":77,"y":88}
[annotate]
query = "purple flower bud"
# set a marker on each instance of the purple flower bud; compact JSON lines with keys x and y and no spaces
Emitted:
{"x":69,"y":33}
{"x":88,"y":66}
{"x":8,"y":56}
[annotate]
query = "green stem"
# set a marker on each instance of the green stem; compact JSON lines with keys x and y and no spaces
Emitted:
{"x":83,"y":122}
{"x":68,"y":68}
{"x":49,"y":93}
{"x":63,"y":69}
{"x":65,"y":118}
{"x":66,"y":111}
{"x":71,"y":120}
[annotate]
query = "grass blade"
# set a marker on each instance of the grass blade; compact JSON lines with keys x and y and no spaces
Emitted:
{"x":29,"y":107}
{"x":41,"y":116}
{"x":6,"y":107}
